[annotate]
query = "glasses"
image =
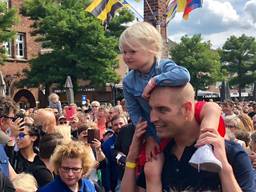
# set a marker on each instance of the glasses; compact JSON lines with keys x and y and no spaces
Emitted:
{"x":72,"y":169}
{"x":62,"y":122}
{"x":7,"y":117}
{"x":22,"y":135}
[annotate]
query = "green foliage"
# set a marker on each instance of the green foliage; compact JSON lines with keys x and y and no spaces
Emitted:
{"x":238,"y":56}
{"x":80,"y":46}
{"x":197,"y":56}
{"x":115,"y":27}
{"x":7,"y":20}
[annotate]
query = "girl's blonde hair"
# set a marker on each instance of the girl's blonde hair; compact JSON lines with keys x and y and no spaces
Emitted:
{"x":52,"y":96}
{"x":25,"y":182}
{"x":143,"y":34}
{"x":73,"y":150}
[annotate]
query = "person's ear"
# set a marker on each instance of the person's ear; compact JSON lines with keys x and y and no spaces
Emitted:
{"x":33,"y":138}
{"x":187,"y":110}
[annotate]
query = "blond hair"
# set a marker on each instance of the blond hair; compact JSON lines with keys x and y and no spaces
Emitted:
{"x":25,"y":182}
{"x":52,"y":96}
{"x":143,"y":34}
{"x":65,"y":131}
{"x":247,"y":121}
{"x":237,"y":123}
{"x":73,"y":149}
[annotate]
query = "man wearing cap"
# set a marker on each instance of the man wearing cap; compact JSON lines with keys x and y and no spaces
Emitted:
{"x":7,"y":115}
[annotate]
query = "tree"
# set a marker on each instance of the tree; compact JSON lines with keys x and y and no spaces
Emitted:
{"x":80,"y":46}
{"x":238,"y":56}
{"x":7,"y":20}
{"x":202,"y":62}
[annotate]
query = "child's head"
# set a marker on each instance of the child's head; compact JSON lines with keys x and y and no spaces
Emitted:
{"x":141,"y":36}
{"x":53,"y":98}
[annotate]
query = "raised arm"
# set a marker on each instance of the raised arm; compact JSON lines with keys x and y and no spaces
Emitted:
{"x":128,"y":183}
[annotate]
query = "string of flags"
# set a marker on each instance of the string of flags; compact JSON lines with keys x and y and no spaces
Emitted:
{"x":185,"y":6}
{"x":105,"y":9}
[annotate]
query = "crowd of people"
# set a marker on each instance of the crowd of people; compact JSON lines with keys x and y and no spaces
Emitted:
{"x":158,"y":138}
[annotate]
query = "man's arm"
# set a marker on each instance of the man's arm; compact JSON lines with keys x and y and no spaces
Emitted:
{"x":12,"y":173}
{"x":128,"y":183}
{"x":210,"y":136}
{"x":228,"y":180}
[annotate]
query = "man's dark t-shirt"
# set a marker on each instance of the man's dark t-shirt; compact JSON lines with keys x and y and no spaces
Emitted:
{"x":179,"y":175}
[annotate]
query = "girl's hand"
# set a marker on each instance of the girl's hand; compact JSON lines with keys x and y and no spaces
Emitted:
{"x":17,"y":126}
{"x":96,"y":144}
{"x":149,"y":87}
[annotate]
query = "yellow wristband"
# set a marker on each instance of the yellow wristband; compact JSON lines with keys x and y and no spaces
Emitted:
{"x":130,"y":165}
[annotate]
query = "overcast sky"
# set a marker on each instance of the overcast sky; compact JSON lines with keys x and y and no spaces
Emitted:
{"x":216,"y":20}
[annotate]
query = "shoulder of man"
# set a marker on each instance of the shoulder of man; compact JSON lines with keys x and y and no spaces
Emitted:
{"x":241,"y":165}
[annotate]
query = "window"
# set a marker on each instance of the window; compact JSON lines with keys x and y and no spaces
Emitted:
{"x":5,"y":1}
{"x":8,"y":48}
{"x":20,"y":45}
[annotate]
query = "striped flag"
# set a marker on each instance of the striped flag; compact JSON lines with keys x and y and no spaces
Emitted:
{"x":191,"y":5}
{"x":171,"y":10}
{"x":181,"y":5}
{"x":104,"y":9}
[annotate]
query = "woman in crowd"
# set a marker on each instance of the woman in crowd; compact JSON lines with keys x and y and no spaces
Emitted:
{"x":71,"y":162}
{"x":26,"y":156}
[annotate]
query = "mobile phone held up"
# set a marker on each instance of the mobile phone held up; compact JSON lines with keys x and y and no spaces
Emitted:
{"x":70,"y":111}
{"x":93,"y":134}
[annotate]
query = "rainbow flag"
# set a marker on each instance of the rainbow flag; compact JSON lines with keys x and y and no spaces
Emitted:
{"x":190,"y":6}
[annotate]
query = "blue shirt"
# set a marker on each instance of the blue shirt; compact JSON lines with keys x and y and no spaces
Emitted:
{"x":110,"y":170}
{"x":166,"y":73}
{"x":180,"y":175}
{"x":57,"y":185}
{"x":4,"y":163}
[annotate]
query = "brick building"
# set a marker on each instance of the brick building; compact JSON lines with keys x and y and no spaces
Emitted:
{"x":23,"y":48}
{"x":19,"y":52}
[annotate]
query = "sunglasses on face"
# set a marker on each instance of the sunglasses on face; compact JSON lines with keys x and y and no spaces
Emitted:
{"x":22,"y":135}
{"x":62,"y":122}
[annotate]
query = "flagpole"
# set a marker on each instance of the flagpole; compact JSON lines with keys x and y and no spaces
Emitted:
{"x":132,"y":8}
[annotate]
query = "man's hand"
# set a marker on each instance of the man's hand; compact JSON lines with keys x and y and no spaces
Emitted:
{"x":152,"y":148}
{"x":149,"y":87}
{"x":210,"y":136}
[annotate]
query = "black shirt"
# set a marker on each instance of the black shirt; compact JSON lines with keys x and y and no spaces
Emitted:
{"x":180,"y":175}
